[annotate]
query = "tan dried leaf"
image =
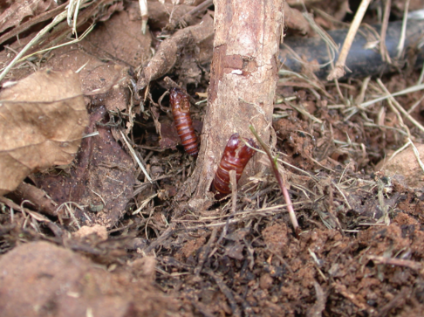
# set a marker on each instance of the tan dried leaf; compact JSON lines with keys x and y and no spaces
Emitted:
{"x":42,"y":119}
{"x":18,"y":11}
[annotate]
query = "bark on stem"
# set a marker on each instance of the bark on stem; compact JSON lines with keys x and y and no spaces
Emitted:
{"x":243,"y":79}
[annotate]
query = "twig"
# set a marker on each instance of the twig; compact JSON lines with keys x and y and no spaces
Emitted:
{"x":339,"y":70}
{"x":187,"y":18}
{"x":38,"y":197}
{"x":398,"y":262}
{"x":280,"y":182}
{"x":203,"y":6}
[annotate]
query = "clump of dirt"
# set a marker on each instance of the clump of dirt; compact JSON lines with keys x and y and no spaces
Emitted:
{"x":41,"y":279}
{"x":297,"y":144}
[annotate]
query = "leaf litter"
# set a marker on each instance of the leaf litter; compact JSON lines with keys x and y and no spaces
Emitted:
{"x":359,"y":250}
{"x":43,"y":117}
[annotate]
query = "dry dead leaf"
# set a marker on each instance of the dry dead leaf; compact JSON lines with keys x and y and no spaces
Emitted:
{"x":42,"y":119}
{"x":20,"y":10}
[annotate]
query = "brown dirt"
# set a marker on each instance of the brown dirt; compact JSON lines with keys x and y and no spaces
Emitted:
{"x":360,"y":250}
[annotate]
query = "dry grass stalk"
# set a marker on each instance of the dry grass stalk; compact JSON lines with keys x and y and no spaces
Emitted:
{"x":339,"y":69}
{"x":280,"y":181}
{"x":144,"y":11}
{"x":135,"y":157}
{"x":233,"y":182}
{"x":78,"y":39}
{"x":366,"y":104}
{"x":58,"y":19}
{"x":399,"y":107}
{"x":402,"y":36}
{"x":383,"y":48}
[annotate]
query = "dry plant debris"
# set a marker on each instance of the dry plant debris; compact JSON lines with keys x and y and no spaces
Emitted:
{"x":98,"y":187}
{"x":42,"y":121}
{"x":171,"y":49}
{"x":127,"y":243}
{"x":18,"y":11}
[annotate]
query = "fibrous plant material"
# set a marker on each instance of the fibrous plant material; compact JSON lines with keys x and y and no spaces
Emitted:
{"x":42,"y":119}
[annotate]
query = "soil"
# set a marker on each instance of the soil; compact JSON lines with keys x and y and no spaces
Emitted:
{"x":121,"y":241}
